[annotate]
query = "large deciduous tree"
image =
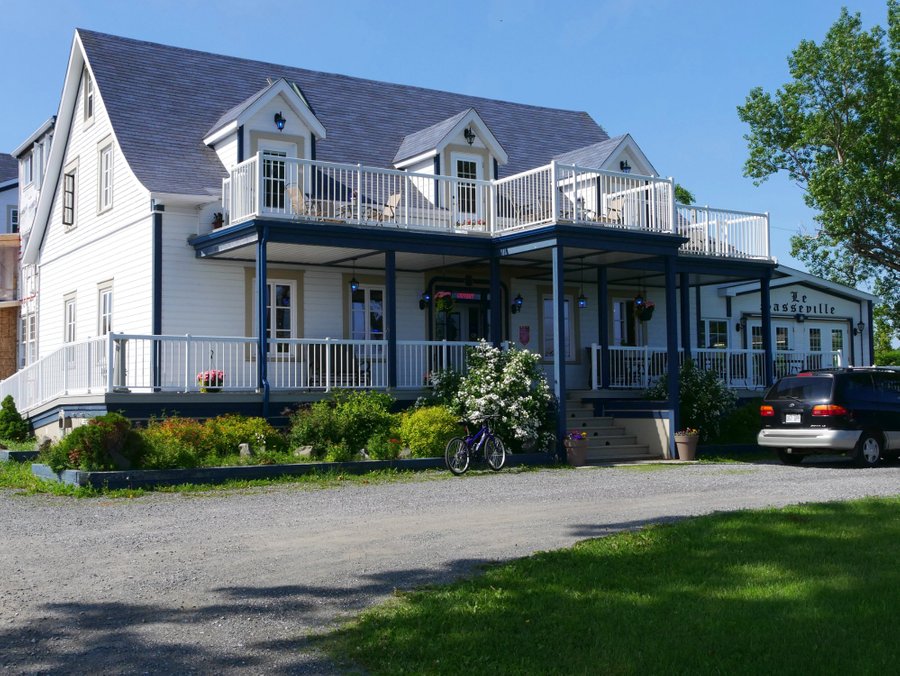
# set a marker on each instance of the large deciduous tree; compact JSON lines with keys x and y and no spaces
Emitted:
{"x":835,"y":130}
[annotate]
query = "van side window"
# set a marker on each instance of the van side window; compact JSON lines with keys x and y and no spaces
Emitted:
{"x":889,"y":387}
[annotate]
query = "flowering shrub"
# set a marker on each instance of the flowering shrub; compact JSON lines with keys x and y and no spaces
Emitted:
{"x":211,"y":378}
{"x":688,"y":432}
{"x":508,"y":391}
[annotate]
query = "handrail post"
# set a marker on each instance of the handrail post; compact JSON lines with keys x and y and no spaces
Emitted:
{"x":766,"y":237}
{"x":187,"y":362}
{"x":359,"y":192}
{"x":594,"y":366}
{"x":259,"y":182}
{"x":110,"y":356}
{"x":328,"y":364}
{"x":445,"y":351}
{"x":554,"y":194}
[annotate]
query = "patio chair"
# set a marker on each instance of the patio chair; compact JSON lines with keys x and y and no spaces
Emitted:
{"x":299,"y":206}
{"x":391,"y":208}
{"x":615,"y":210}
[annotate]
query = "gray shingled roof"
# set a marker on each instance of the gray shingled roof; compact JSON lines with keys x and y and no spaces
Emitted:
{"x":162,"y":100}
{"x":233,"y":113}
{"x":591,"y":156}
{"x":428,"y":138}
{"x":9,"y":168}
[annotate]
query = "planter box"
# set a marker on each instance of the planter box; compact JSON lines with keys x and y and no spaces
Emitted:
{"x":576,"y":451}
{"x":148,"y":478}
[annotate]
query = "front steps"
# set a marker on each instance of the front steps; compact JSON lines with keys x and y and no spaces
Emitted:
{"x":606,"y":441}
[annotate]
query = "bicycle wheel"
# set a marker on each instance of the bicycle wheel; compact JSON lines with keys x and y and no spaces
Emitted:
{"x":456,"y":455}
{"x":495,"y":453}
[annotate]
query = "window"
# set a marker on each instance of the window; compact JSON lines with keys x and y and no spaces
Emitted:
{"x":68,"y":215}
{"x":466,"y":170}
{"x":88,"y":97}
{"x":367,"y":313}
{"x":106,"y":177}
{"x":815,"y":340}
{"x":837,"y":340}
{"x":623,"y":322}
{"x":756,"y":338}
{"x":782,"y":338}
{"x":29,"y":338}
{"x":13,"y":219}
{"x":27,"y":169}
{"x":549,"y":328}
{"x":104,"y":310}
{"x":280,"y":314}
{"x":714,"y":334}
{"x":69,"y":320}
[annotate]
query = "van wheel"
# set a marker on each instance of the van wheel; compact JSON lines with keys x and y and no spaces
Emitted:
{"x":868,"y":450}
{"x":789,"y":458}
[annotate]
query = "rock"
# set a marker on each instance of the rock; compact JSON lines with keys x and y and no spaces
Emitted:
{"x":303,"y":452}
{"x":246,"y":451}
{"x":44,"y":444}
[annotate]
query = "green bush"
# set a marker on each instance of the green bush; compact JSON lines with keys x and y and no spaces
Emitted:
{"x":887,"y":358}
{"x":704,"y":399}
{"x":228,"y":432}
{"x":12,"y":426}
{"x":316,"y":426}
{"x":106,"y":442}
{"x":386,"y":444}
{"x":741,"y":425}
{"x":360,"y":415}
{"x":427,"y":430}
{"x":177,"y":443}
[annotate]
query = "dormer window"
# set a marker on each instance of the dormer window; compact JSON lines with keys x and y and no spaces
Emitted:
{"x":88,"y":97}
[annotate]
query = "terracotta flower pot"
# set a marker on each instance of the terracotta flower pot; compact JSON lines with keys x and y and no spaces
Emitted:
{"x":686,"y":445}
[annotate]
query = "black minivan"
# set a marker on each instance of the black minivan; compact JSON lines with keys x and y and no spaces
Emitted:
{"x":843,"y":410}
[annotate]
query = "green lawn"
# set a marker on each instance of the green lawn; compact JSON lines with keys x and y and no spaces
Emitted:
{"x":811,"y":589}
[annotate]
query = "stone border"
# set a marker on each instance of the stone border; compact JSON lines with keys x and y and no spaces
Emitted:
{"x":149,"y":478}
{"x":17,"y":456}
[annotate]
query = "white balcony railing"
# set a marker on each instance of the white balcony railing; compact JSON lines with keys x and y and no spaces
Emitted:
{"x":641,"y":367}
{"x":277,"y":187}
{"x":143,"y":364}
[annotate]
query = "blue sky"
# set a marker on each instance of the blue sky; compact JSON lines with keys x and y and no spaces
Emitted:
{"x":670,"y":72}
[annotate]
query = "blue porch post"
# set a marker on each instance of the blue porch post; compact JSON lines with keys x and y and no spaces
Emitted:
{"x":157,"y":291}
{"x":496,"y":308}
{"x":672,"y":339}
{"x":390,"y":287}
{"x":559,"y":347}
{"x":262,"y":345}
{"x":684,"y":290}
{"x":603,"y":325}
{"x":765,"y":309}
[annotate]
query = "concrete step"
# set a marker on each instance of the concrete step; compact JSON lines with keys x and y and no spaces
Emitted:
{"x":593,"y":430}
{"x":619,"y":452}
{"x":588,"y":415}
{"x":600,"y":442}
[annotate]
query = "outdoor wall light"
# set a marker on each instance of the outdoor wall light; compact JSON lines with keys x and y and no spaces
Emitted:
{"x":469,"y":135}
{"x":424,"y":300}
{"x":279,"y":121}
{"x":582,"y":302}
{"x":860,"y":327}
{"x":354,"y":283}
{"x":517,"y":304}
{"x":624,"y":167}
{"x":800,"y":318}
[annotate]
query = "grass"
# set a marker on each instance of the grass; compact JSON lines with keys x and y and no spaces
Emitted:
{"x":806,"y":589}
{"x":18,"y":445}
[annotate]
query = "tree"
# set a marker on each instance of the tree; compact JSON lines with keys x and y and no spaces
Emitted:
{"x":835,"y":130}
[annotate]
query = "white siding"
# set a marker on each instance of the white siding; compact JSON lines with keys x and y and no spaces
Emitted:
{"x":112,"y":245}
{"x":226,"y":149}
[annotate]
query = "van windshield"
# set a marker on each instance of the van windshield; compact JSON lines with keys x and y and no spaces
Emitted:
{"x":808,"y":388}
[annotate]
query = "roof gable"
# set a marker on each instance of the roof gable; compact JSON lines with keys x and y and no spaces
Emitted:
{"x":599,"y":155}
{"x":433,"y":139}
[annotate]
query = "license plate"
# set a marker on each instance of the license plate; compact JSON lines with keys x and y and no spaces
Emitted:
{"x":792,"y":418}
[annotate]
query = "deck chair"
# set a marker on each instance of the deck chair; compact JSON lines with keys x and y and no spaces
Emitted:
{"x":391,"y":208}
{"x":299,"y":206}
{"x":615,"y":210}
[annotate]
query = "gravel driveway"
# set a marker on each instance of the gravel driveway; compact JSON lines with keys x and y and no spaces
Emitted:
{"x":234,"y":582}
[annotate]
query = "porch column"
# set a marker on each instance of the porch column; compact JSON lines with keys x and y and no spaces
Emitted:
{"x":684,"y":290}
{"x":496,"y":308}
{"x":559,"y":347}
{"x":673,"y":369}
{"x":390,"y":329}
{"x":262,"y":344}
{"x":603,"y":325}
{"x":765,"y":310}
{"x":870,"y":317}
{"x":157,"y":293}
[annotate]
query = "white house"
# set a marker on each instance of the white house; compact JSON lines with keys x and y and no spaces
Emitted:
{"x":370,"y":229}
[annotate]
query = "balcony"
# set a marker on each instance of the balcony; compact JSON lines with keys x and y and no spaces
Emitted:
{"x":280,"y":188}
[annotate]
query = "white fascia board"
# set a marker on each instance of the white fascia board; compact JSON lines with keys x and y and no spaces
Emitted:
{"x":35,"y":135}
{"x":421,"y":157}
{"x":487,"y":136}
{"x":629,"y":143}
{"x":297,"y":104}
{"x":57,"y":149}
{"x":183,"y":200}
{"x":221,"y":133}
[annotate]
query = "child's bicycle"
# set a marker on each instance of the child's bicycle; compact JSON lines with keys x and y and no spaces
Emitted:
{"x":483,"y":444}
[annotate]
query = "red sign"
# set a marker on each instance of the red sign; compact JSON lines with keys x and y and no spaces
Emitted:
{"x":524,"y":335}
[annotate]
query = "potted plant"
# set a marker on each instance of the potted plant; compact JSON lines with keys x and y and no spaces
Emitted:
{"x":576,"y":448}
{"x":443,"y":301}
{"x":211,"y":380}
{"x":643,"y":308}
{"x":218,"y":220}
{"x":686,"y":443}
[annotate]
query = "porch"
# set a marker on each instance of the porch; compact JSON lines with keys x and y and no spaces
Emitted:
{"x":291,"y":189}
